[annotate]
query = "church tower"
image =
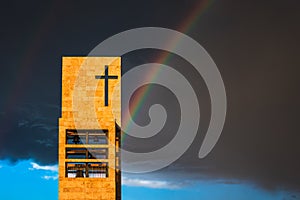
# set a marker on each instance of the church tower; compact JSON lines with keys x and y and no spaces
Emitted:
{"x":89,"y":129}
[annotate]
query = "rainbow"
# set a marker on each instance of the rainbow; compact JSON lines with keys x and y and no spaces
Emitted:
{"x":186,"y":26}
{"x":28,"y":57}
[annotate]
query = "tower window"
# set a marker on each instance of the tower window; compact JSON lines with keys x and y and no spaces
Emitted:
{"x":74,"y":136}
{"x":83,"y":153}
{"x":87,"y":170}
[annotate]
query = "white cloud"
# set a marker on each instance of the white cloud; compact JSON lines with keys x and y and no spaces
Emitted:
{"x":36,"y":166}
{"x":50,"y":177}
{"x":51,"y":169}
{"x":149,"y":183}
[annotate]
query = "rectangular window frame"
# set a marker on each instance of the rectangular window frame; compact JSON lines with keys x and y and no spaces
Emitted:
{"x":87,"y":136}
{"x":86,"y":153}
{"x":89,"y":169}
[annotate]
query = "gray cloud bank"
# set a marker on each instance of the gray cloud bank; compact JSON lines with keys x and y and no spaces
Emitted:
{"x":255,"y":44}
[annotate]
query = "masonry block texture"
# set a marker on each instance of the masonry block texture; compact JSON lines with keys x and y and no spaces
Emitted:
{"x":83,"y":108}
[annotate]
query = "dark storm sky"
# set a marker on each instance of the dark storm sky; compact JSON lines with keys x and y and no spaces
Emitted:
{"x":255,"y":45}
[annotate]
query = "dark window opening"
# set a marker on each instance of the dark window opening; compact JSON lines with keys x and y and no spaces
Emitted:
{"x":74,"y":136}
{"x":83,"y":153}
{"x":87,"y":170}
